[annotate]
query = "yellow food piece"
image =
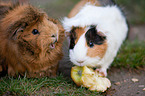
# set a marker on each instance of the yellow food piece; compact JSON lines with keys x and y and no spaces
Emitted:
{"x":90,"y":79}
{"x":76,"y":73}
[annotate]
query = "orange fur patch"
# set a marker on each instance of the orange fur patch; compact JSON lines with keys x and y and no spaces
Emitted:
{"x":97,"y":50}
{"x":80,"y":4}
{"x":79,"y":31}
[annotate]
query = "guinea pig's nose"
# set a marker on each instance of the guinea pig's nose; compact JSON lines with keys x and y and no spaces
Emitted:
{"x":55,"y":37}
{"x":80,"y":61}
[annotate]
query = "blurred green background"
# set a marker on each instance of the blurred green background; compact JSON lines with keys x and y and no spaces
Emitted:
{"x":133,"y":9}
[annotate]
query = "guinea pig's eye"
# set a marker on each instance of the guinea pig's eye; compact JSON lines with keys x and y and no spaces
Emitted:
{"x":91,"y":44}
{"x":35,"y":31}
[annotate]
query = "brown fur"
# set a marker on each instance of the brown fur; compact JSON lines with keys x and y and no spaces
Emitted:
{"x":79,"y":31}
{"x":97,"y":50}
{"x":4,"y":7}
{"x":25,"y":52}
{"x":79,"y":5}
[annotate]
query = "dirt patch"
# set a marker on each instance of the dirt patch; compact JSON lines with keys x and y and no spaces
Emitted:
{"x":126,"y":82}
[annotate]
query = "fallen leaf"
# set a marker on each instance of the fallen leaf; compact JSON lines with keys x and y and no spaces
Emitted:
{"x":134,"y":80}
{"x":117,"y":83}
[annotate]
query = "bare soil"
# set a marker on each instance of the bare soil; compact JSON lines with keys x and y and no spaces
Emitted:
{"x":123,"y":84}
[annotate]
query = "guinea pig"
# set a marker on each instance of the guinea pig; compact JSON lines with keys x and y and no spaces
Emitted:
{"x":30,"y":41}
{"x":97,"y":29}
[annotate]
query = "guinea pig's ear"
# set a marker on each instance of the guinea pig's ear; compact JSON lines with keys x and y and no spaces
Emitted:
{"x":18,"y":29}
{"x":53,"y":20}
{"x":101,"y":34}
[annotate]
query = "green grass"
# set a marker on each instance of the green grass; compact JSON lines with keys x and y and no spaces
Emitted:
{"x":131,"y":55}
{"x":42,"y":86}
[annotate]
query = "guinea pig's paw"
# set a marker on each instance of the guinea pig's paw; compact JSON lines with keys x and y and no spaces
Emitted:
{"x":101,"y":73}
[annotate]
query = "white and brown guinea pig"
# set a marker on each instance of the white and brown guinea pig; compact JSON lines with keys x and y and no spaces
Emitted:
{"x":97,"y":29}
{"x":30,"y":42}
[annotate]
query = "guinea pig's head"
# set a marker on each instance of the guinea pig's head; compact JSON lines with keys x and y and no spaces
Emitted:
{"x":87,"y":46}
{"x":40,"y":36}
{"x":31,"y":30}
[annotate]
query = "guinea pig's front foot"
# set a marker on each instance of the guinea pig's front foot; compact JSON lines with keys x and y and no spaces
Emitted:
{"x":102,"y":73}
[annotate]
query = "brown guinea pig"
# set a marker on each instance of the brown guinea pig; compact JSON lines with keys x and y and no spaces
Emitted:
{"x":30,"y":42}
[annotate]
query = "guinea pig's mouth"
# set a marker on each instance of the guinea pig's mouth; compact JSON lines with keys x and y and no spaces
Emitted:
{"x":52,"y":45}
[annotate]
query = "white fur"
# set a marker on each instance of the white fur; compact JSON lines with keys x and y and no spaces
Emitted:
{"x":110,"y":21}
